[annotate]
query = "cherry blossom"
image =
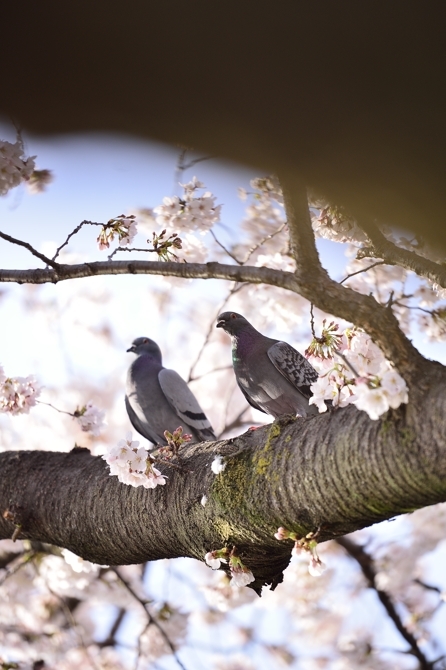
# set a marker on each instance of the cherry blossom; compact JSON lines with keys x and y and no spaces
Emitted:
{"x":215,"y":558}
{"x":78,"y":564}
{"x":316,"y":567}
{"x":132,"y":464}
{"x":19,"y":394}
{"x":91,"y":418}
{"x":218,"y":465}
{"x":352,"y":369}
{"x":240,"y":574}
{"x":334,"y":224}
{"x":123,"y":227}
{"x":192,"y":212}
{"x":14,"y":167}
{"x":192,"y":250}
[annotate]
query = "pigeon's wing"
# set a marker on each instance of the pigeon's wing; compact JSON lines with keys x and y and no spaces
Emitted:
{"x":185,"y":403}
{"x":138,"y":425}
{"x":293,"y":366}
{"x":250,"y":400}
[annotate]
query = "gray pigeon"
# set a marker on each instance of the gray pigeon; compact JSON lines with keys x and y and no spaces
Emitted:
{"x":273,"y":377}
{"x":158,"y":399}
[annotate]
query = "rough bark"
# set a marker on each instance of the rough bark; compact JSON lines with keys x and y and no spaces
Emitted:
{"x":333,"y":473}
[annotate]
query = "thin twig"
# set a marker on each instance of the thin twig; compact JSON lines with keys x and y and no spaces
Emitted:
{"x":110,"y":640}
{"x":352,"y":274}
{"x":347,"y":362}
{"x":222,"y":246}
{"x":61,"y":411}
{"x":210,"y":330}
{"x":211,"y":372}
{"x":74,"y":232}
{"x":182,"y":167}
{"x":392,"y":254}
{"x":150,"y":618}
{"x":262,"y":242}
{"x":130,"y":249}
{"x":420,"y":309}
{"x":194,"y":161}
{"x":74,"y":625}
{"x":365,"y":562}
{"x":139,"y":645}
{"x":23,"y":560}
{"x":34,"y":252}
{"x":428,"y":587}
{"x":313,"y":332}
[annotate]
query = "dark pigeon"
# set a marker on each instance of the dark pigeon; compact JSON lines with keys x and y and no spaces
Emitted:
{"x":158,"y":399}
{"x":273,"y":377}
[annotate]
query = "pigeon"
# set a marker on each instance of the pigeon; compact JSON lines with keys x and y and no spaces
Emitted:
{"x":272,"y":375}
{"x":158,"y":399}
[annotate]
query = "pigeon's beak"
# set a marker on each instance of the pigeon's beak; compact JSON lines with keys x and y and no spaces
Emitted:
{"x":220,"y":324}
{"x":131,"y":349}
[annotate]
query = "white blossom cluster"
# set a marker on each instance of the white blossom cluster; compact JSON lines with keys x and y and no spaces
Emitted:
{"x":189,"y":214}
{"x":18,"y":394}
{"x":132,"y":464}
{"x":423,"y":306}
{"x":334,"y":224}
{"x":367,"y":379}
{"x":123,"y":227}
{"x":264,"y":223}
{"x":91,"y":418}
{"x":14,"y":167}
{"x":192,"y":212}
{"x":221,"y":596}
{"x":240,"y":574}
{"x":79,"y":564}
{"x":305,"y":546}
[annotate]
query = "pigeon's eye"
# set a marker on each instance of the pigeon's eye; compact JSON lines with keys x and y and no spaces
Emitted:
{"x":233,"y":316}
{"x":145,"y":340}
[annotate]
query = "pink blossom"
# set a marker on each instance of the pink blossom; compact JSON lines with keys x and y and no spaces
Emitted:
{"x":215,"y":558}
{"x":91,"y":418}
{"x":282,"y":533}
{"x":316,"y":567}
{"x":154,"y":478}
{"x":132,"y":465}
{"x":18,"y":395}
{"x":241,"y":576}
{"x":14,"y":167}
{"x":373,"y":401}
{"x":190,"y":213}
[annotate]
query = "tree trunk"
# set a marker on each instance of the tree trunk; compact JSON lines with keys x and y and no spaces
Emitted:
{"x":333,"y":473}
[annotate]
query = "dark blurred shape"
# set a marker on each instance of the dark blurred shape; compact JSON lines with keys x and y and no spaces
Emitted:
{"x":349,"y":95}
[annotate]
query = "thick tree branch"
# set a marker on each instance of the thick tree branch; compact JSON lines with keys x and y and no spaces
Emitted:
{"x":314,"y":284}
{"x":338,"y":472}
{"x":365,"y":562}
{"x":310,"y":280}
{"x":251,"y":274}
{"x":395,"y":255}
